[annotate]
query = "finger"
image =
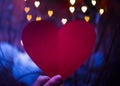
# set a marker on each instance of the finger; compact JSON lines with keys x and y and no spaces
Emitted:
{"x":54,"y":81}
{"x":41,"y":80}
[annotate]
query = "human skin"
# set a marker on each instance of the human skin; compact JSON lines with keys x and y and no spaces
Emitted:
{"x":47,"y":81}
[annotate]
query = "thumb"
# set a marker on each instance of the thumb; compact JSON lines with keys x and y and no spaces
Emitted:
{"x":41,"y":80}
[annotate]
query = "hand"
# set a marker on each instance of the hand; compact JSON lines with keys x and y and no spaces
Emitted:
{"x":47,"y":81}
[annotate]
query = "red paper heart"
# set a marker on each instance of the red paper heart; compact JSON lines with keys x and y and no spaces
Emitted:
{"x":59,"y":51}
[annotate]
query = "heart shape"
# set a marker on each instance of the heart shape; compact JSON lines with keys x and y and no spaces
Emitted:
{"x":36,"y":3}
{"x":59,"y":51}
{"x":29,"y":17}
{"x":27,"y":9}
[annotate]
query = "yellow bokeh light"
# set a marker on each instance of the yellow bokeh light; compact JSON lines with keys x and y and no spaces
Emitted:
{"x":93,"y":2}
{"x":64,"y":20}
{"x":37,"y":3}
{"x":27,"y":9}
{"x":50,"y":13}
{"x":72,"y":2}
{"x":29,"y":17}
{"x":87,"y":18}
{"x":72,"y":9}
{"x":84,"y":8}
{"x":38,"y":18}
{"x":101,"y":11}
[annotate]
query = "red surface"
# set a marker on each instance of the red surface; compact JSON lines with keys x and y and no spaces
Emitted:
{"x":59,"y":51}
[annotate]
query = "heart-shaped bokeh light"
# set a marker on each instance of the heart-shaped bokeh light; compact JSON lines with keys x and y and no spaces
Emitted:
{"x":37,"y":3}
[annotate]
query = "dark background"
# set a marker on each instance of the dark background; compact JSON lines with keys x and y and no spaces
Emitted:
{"x":103,"y":66}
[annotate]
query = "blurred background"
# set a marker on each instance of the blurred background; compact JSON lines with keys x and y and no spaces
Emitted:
{"x":103,"y":66}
